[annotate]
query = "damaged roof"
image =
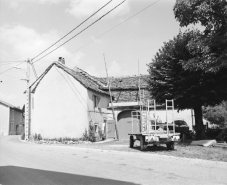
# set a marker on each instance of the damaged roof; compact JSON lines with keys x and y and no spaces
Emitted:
{"x":126,"y":89}
{"x":126,"y":82}
{"x":123,"y":89}
{"x":83,"y":77}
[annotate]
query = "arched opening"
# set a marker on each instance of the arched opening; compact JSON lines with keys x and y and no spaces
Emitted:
{"x":19,"y":129}
{"x":125,"y":126}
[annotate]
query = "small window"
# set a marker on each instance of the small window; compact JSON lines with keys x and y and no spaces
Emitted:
{"x":95,"y":100}
{"x":12,"y":115}
{"x":96,"y":128}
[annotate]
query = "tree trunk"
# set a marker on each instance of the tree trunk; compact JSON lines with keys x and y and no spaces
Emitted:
{"x":199,"y":128}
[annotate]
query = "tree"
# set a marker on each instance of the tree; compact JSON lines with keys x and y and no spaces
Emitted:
{"x":190,"y":89}
{"x":217,"y":114}
{"x":212,"y":43}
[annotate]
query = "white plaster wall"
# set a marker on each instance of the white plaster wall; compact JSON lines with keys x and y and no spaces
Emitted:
{"x":98,"y":113}
{"x":59,"y":110}
{"x":4,"y":120}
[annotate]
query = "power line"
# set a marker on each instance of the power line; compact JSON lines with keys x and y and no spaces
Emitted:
{"x":13,"y":67}
{"x":73,"y":29}
{"x":33,"y":68}
{"x":114,"y":27}
{"x":7,"y":64}
{"x":81,"y":31}
{"x":11,"y":61}
{"x":71,"y":88}
{"x":80,"y":96}
{"x":11,"y":76}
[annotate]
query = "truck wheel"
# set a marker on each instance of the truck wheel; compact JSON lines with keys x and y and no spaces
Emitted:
{"x":131,"y":142}
{"x":143,"y":146}
{"x":170,"y":146}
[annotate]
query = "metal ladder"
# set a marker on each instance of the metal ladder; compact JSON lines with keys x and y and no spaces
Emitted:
{"x":135,"y":115}
{"x":170,"y":111}
{"x":146,"y":119}
{"x":155,"y":117}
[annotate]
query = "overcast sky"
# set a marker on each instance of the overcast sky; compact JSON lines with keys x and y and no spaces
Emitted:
{"x":27,"y":27}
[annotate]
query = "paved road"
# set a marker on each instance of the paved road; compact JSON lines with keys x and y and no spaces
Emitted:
{"x":32,"y":164}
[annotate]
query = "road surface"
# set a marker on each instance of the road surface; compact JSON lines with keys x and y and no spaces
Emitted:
{"x":24,"y":163}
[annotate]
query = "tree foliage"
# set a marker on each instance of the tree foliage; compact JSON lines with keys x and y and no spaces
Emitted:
{"x":212,"y":43}
{"x":217,"y":114}
{"x":190,"y":89}
{"x":169,"y":80}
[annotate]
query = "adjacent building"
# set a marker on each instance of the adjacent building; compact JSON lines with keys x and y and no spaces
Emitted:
{"x":11,"y":119}
{"x":128,"y":92}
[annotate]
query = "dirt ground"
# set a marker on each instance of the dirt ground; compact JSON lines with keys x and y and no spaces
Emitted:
{"x":181,"y":150}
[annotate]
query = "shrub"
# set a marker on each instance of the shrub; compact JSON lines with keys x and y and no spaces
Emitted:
{"x":39,"y":137}
{"x":85,"y":136}
{"x":23,"y":136}
{"x":91,"y":133}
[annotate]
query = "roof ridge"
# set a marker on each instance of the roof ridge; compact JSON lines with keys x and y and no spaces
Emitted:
{"x":128,"y":76}
{"x":88,"y":75}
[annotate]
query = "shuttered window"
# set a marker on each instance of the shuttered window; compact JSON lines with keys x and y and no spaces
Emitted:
{"x":96,"y":101}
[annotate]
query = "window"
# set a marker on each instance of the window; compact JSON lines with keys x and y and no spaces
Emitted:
{"x":96,"y":100}
{"x":12,"y":115}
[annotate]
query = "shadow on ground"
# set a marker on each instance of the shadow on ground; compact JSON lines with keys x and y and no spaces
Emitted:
{"x":151,"y":148}
{"x":13,"y":175}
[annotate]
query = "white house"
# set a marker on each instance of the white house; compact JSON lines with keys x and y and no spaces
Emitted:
{"x":65,"y":101}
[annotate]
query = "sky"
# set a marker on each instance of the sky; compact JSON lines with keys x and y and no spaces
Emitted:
{"x":28,"y":27}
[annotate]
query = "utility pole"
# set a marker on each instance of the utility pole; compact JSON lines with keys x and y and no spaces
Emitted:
{"x":140,"y":103}
{"x":27,"y":104}
{"x":111,"y":100}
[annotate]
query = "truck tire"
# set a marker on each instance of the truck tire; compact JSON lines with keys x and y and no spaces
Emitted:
{"x":143,"y":145}
{"x":170,"y":146}
{"x":131,"y":142}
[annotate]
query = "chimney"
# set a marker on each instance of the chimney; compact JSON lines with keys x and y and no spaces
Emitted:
{"x":61,"y":60}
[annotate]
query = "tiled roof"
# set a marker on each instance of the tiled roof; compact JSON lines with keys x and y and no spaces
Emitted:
{"x":125,"y":95}
{"x":126,"y":82}
{"x":84,"y":78}
{"x":123,"y":89}
{"x":126,"y":89}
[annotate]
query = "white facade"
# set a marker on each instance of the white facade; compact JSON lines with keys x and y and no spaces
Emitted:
{"x":4,"y":119}
{"x":59,"y":107}
{"x":63,"y":107}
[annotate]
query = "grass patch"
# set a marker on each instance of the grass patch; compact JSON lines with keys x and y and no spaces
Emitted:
{"x":184,"y":150}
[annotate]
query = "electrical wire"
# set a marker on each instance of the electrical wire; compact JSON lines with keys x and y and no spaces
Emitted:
{"x":81,"y":31}
{"x":73,"y":29}
{"x":80,"y":95}
{"x":13,"y":67}
{"x":11,"y":76}
{"x":2,"y":63}
{"x":71,"y":88}
{"x":114,"y":27}
{"x":11,"y":61}
{"x":6,"y":64}
{"x":34,"y":71}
